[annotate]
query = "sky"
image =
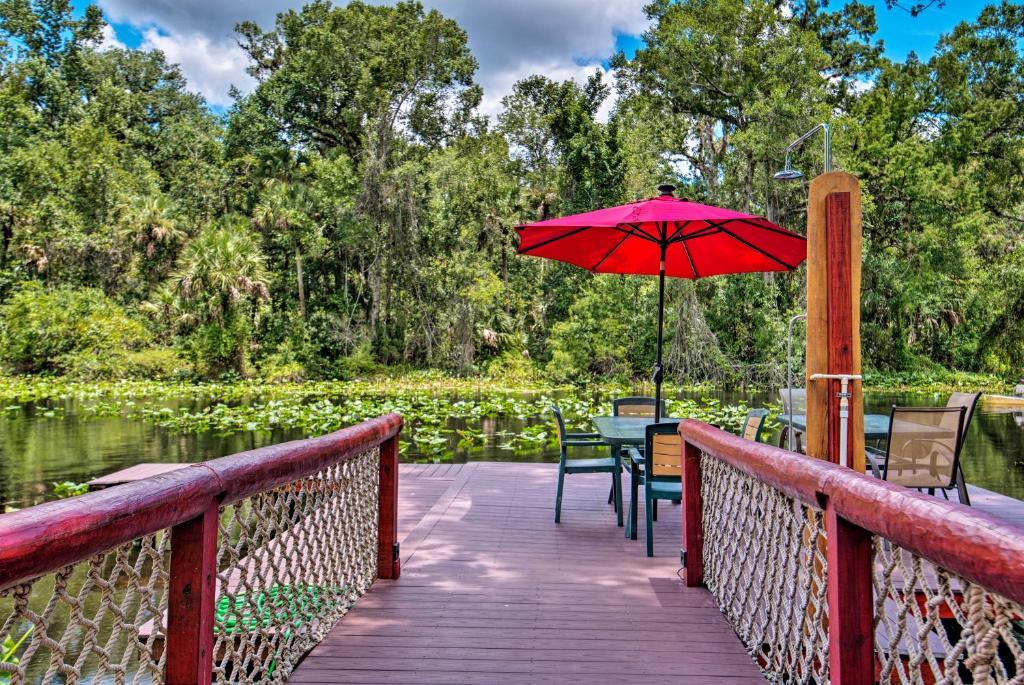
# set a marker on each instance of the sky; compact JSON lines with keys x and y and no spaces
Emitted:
{"x":511,"y":39}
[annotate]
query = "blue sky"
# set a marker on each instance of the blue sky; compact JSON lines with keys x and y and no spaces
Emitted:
{"x":575,"y":37}
{"x":900,"y":32}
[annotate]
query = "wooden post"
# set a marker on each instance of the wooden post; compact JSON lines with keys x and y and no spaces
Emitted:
{"x":191,"y":599}
{"x":833,"y":313}
{"x":693,"y":516}
{"x":840,"y":316}
{"x":851,"y":655}
{"x":388,"y":561}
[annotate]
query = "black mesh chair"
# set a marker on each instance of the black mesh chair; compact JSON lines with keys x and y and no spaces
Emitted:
{"x":969,"y":401}
{"x":923,"y":448}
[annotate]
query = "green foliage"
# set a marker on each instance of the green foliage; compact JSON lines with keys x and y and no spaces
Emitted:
{"x":155,"y":363}
{"x":55,"y":330}
{"x":610,"y":331}
{"x":435,"y":408}
{"x":219,"y":348}
{"x":67,"y":489}
{"x":355,"y":212}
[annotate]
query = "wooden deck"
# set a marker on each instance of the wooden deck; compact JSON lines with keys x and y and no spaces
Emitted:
{"x":492,"y":591}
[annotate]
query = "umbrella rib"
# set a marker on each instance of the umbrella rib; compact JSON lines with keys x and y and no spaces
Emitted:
{"x":680,"y":226}
{"x":635,"y":227}
{"x":689,"y":258}
{"x":706,"y":231}
{"x":543,"y":243}
{"x":768,"y":226}
{"x":756,"y":248}
{"x":614,"y":248}
{"x":642,"y":233}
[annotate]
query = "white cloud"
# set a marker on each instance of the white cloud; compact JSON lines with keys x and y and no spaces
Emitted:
{"x":511,"y":39}
{"x":498,"y":85}
{"x":110,"y":41}
{"x":211,"y":67}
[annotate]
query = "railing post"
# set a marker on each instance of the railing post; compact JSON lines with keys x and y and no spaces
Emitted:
{"x":191,"y":597}
{"x":388,"y":561}
{"x":693,"y":516}
{"x":851,"y":654}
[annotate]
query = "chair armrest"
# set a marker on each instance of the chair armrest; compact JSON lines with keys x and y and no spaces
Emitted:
{"x":585,"y":443}
{"x":581,"y":436}
{"x":636,"y":455}
{"x":872,"y":456}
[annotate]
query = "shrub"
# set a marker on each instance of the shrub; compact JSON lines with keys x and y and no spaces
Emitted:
{"x":513,"y":366}
{"x":216,"y":349}
{"x":358,"y":364}
{"x":155,"y":363}
{"x":47,"y":330}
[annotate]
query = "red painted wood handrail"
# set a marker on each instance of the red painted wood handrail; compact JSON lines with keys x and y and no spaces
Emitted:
{"x":973,"y":544}
{"x":47,"y":537}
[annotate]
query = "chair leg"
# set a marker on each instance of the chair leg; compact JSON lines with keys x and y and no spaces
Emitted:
{"x":634,"y":483}
{"x":649,"y":514}
{"x":654,"y":509}
{"x":558,"y":495}
{"x":611,"y":494}
{"x":617,"y":486}
{"x":961,"y":488}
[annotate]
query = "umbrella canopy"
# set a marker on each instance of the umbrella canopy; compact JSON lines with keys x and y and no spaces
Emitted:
{"x":665,"y":236}
{"x":699,"y":240}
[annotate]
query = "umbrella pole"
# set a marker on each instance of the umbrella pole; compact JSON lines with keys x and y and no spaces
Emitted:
{"x":659,"y":370}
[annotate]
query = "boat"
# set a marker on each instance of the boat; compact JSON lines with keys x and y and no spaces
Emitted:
{"x":996,"y":401}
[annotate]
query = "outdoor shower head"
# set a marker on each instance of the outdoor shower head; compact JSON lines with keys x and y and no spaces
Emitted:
{"x":788,"y":173}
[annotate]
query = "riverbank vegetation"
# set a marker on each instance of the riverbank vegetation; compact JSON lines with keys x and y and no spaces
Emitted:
{"x":355,"y":211}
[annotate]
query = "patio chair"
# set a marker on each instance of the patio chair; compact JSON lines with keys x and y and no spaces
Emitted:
{"x":923,"y":448}
{"x":636,"y":405}
{"x":753,"y":425}
{"x":596,"y":465}
{"x":967,"y":400}
{"x":661,"y":476}
{"x":797,"y":406}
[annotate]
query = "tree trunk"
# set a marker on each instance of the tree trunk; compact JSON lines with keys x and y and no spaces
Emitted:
{"x":302,"y":287}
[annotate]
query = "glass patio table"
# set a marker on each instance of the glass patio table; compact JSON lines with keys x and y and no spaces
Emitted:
{"x":876,"y":426}
{"x":625,"y":431}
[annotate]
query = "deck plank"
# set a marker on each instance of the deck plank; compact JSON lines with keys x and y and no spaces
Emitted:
{"x":493,"y":589}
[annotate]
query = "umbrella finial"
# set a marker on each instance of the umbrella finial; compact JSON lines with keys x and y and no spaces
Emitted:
{"x":667,"y":189}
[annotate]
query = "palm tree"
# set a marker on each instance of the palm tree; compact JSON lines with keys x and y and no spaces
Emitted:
{"x":282,"y":209}
{"x":153,"y":224}
{"x":148,"y":222}
{"x":221,"y":268}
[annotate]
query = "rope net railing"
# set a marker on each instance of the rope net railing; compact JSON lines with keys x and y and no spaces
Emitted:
{"x":291,"y":562}
{"x":831,"y":576}
{"x":100,"y":620}
{"x":934,"y":626}
{"x":232,"y":569}
{"x":765,"y":564}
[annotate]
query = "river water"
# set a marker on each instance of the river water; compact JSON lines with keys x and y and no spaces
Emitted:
{"x":41,"y":445}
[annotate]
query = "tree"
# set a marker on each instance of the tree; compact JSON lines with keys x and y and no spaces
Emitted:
{"x":282,"y":209}
{"x":222,"y":275}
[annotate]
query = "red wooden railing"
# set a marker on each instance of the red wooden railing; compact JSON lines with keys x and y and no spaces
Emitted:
{"x":45,"y":538}
{"x":859,"y":511}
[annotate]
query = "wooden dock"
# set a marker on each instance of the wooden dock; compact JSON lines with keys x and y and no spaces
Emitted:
{"x":492,"y":591}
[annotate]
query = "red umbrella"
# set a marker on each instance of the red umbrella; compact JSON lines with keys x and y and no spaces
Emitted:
{"x":665,"y":236}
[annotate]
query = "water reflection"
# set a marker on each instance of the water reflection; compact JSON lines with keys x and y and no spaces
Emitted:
{"x":43,"y":445}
